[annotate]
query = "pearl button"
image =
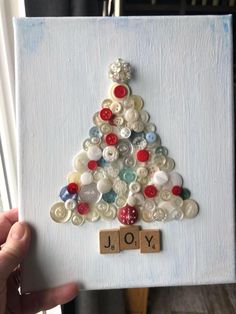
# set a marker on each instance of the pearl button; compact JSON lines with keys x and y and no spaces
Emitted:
{"x":125,"y":132}
{"x":102,"y":207}
{"x":147,"y":215}
{"x":110,"y":153}
{"x":73,"y":177}
{"x":105,"y":128}
{"x":176,"y":214}
{"x":59,"y":213}
{"x":86,"y":178}
{"x":176,"y":179}
{"x":168,"y":165}
{"x":77,"y":219}
{"x":150,"y":127}
{"x":160,"y":214}
{"x":137,"y":126}
{"x":70,"y":204}
{"x":96,"y":119}
{"x":139,"y":198}
{"x":138,"y":102}
{"x":120,"y":201}
{"x":89,"y":193}
{"x":159,"y":160}
{"x":134,"y":187}
{"x":131,"y":200}
{"x":131,"y":115}
{"x":92,"y":216}
{"x":119,"y":186}
{"x":177,"y":201}
{"x":106,"y":103}
{"x":94,"y":153}
{"x":110,"y":213}
{"x":190,"y":208}
{"x":165,"y":195}
{"x":118,"y":120}
{"x":104,"y":185}
{"x":149,"y":204}
{"x":144,"y":116}
{"x":160,"y":178}
{"x":142,"y":172}
{"x":139,"y":142}
{"x":80,"y":161}
{"x":116,"y":107}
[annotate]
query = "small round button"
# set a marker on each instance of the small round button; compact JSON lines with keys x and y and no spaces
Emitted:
{"x":118,"y":120}
{"x":129,"y":161}
{"x":177,"y":214}
{"x":177,"y":190}
{"x":109,"y":197}
{"x":147,"y":215}
{"x":162,"y":150}
{"x":110,"y":153}
{"x":120,"y":201}
{"x":116,"y":107}
{"x":80,"y":161}
{"x":119,"y":186}
{"x":106,"y":103}
{"x":149,"y":204}
{"x":168,"y":165}
{"x":82,"y":208}
{"x":77,"y":219}
{"x":165,"y":195}
{"x":65,"y":195}
{"x":159,"y":160}
{"x":139,"y":142}
{"x":185,"y":194}
{"x":128,"y":215}
{"x":111,"y":139}
{"x":93,"y":215}
{"x":138,"y":102}
{"x":86,"y":178}
{"x":124,"y":148}
{"x":142,"y":155}
{"x":150,"y":191}
{"x":144,"y":116}
{"x":134,"y":187}
{"x":127,"y":174}
{"x":150,"y":127}
{"x":131,"y":115}
{"x":160,"y":214}
{"x":73,"y":177}
{"x":125,"y":132}
{"x":190,"y":208}
{"x":110,"y":213}
{"x":102,"y":207}
{"x":137,"y":126}
{"x":89,"y":193}
{"x":160,"y":178}
{"x":96,"y":119}
{"x":92,"y":165}
{"x":94,"y":132}
{"x":94,"y":153}
{"x":176,"y":179}
{"x":70,"y":204}
{"x":151,"y":137}
{"x":177,"y":201}
{"x":131,"y":200}
{"x":140,"y":200}
{"x":105,"y":114}
{"x":120,"y":91}
{"x":112,"y":170}
{"x":72,"y":188}
{"x":105,"y":128}
{"x":142,"y":172}
{"x":104,"y":185}
{"x":59,"y":213}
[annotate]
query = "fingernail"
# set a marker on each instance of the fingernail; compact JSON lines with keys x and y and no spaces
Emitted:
{"x":17,"y":231}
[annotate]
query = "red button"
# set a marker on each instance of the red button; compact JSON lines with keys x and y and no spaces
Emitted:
{"x":177,"y":190}
{"x":72,"y":188}
{"x":150,"y":191}
{"x":92,"y":165}
{"x":120,"y":91}
{"x":127,"y":215}
{"x":105,"y":114}
{"x":142,"y":155}
{"x":83,"y":208}
{"x":111,"y":139}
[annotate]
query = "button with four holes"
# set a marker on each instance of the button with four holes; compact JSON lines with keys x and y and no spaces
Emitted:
{"x":105,"y":114}
{"x":150,"y":191}
{"x":111,"y":139}
{"x":142,"y":155}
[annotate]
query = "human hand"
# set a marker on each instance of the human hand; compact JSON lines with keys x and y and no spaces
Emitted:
{"x":14,"y":242}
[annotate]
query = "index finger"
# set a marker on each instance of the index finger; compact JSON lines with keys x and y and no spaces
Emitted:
{"x":7,"y":219}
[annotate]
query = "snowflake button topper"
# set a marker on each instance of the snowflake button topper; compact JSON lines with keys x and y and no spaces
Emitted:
{"x":123,"y":171}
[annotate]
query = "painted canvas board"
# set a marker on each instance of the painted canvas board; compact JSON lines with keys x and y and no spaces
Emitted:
{"x":183,"y":72}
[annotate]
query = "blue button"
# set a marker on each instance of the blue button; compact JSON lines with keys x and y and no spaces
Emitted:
{"x":65,"y":195}
{"x":102,"y":162}
{"x":95,"y":132}
{"x":151,"y":137}
{"x":109,"y":197}
{"x":127,"y":175}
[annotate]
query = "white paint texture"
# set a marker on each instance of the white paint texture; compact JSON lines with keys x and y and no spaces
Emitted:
{"x":184,"y":74}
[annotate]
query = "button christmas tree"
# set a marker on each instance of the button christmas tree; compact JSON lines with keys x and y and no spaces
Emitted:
{"x":123,"y":171}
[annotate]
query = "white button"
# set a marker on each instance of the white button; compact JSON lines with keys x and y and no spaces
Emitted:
{"x":93,"y":215}
{"x":120,"y":201}
{"x":139,"y":198}
{"x":105,"y":128}
{"x":129,"y":161}
{"x":86,"y":178}
{"x":150,"y":127}
{"x":99,"y":174}
{"x":102,"y":207}
{"x":125,"y":132}
{"x":131,"y":200}
{"x":73,"y":177}
{"x":168,"y":165}
{"x":147,"y":215}
{"x":128,"y":103}
{"x":106,"y":103}
{"x":116,"y":107}
{"x":138,"y":102}
{"x":177,"y":201}
{"x":59,"y":213}
{"x":80,"y":161}
{"x":160,"y":178}
{"x":86,"y":143}
{"x":176,"y":214}
{"x":165,"y":195}
{"x":70,"y":204}
{"x":118,"y":120}
{"x":160,"y":214}
{"x":176,"y":179}
{"x":96,"y":119}
{"x":137,"y":126}
{"x":77,"y":219}
{"x":142,"y":172}
{"x":112,"y":170}
{"x":119,"y":186}
{"x":131,"y":115}
{"x":104,"y":185}
{"x":190,"y":208}
{"x":134,"y":187}
{"x":166,"y":205}
{"x":94,"y":153}
{"x":110,"y":153}
{"x":110,"y":213}
{"x":159,"y":160}
{"x":149,"y":205}
{"x":144,"y":116}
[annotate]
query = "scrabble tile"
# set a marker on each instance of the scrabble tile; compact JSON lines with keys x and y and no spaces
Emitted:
{"x":129,"y":238}
{"x":109,"y":241}
{"x":150,"y":241}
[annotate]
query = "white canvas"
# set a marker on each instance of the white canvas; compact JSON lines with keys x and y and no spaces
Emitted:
{"x":183,"y":71}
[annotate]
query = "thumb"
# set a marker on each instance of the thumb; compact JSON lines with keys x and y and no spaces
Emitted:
{"x":15,"y":249}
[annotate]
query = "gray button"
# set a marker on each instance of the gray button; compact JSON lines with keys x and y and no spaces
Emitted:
{"x":89,"y":193}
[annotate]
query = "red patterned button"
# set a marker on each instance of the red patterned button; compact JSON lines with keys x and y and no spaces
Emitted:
{"x":120,"y":91}
{"x":83,"y":208}
{"x":105,"y":114}
{"x":111,"y":139}
{"x":72,"y":188}
{"x":177,"y":190}
{"x":142,"y":155}
{"x":150,"y":191}
{"x":127,"y":215}
{"x":92,"y":165}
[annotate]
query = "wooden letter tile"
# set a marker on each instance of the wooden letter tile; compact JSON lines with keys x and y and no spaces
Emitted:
{"x":129,"y":238}
{"x":150,"y":241}
{"x":109,"y":241}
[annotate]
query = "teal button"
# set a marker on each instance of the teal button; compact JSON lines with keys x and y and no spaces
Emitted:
{"x":109,"y":197}
{"x":128,"y":175}
{"x":185,"y":194}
